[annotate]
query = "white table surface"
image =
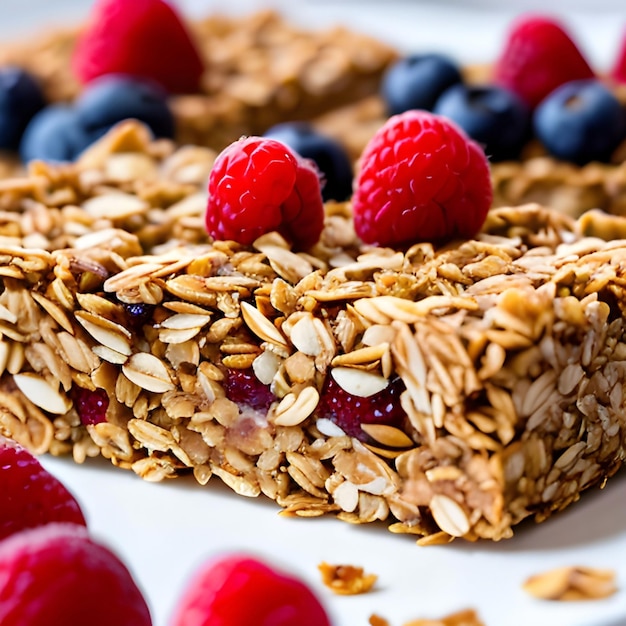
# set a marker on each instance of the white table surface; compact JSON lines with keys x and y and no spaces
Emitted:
{"x":165,"y":531}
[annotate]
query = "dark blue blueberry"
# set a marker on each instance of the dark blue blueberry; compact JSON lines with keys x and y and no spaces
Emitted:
{"x":581,"y":121}
{"x":20,"y":98}
{"x":116,"y":97}
{"x":329,"y":156}
{"x":417,"y":81}
{"x":54,"y":134}
{"x":494,"y":117}
{"x":138,"y":314}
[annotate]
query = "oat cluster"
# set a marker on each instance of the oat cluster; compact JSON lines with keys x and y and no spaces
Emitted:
{"x":511,"y":347}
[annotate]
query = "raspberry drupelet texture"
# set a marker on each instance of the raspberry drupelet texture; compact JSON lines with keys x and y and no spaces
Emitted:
{"x":30,"y":496}
{"x":539,"y":55}
{"x":143,"y":38}
{"x":258,"y":185}
{"x":57,"y":575}
{"x":421,"y":179}
{"x":241,"y":590}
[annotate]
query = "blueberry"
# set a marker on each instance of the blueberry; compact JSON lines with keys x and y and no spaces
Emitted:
{"x":580,"y":121}
{"x":329,"y":156}
{"x":494,"y":117}
{"x":417,"y":81}
{"x":116,"y":97}
{"x":54,"y":134}
{"x":21,"y":98}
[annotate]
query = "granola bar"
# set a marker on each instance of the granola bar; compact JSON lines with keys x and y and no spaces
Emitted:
{"x":510,"y":348}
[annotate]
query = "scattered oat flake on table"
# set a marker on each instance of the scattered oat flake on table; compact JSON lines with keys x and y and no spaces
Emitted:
{"x":347,"y":580}
{"x":466,"y":617}
{"x":572,"y":584}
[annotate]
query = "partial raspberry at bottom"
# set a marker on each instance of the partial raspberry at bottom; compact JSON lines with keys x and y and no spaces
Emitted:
{"x":29,"y":495}
{"x":241,"y":590}
{"x":56,"y":575}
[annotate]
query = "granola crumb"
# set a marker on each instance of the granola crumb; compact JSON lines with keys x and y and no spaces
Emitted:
{"x":465,"y":617}
{"x":573,"y":583}
{"x":347,"y":580}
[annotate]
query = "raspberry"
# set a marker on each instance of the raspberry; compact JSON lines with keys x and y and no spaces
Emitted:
{"x":349,"y":412}
{"x":91,"y":406}
{"x":144,"y":38}
{"x":30,"y":495}
{"x":618,"y":72}
{"x":258,"y":185}
{"x":421,"y":179}
{"x":246,"y":390}
{"x":538,"y":57}
{"x":239,"y":590}
{"x":57,"y":576}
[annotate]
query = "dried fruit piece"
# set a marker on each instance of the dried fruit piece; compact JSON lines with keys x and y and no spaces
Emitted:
{"x":143,"y":38}
{"x":421,"y":179}
{"x":247,"y":391}
{"x":57,"y":575}
{"x":349,"y":411}
{"x":30,"y":495}
{"x":539,"y":56}
{"x":91,"y":405}
{"x":259,"y":185}
{"x":239,"y":590}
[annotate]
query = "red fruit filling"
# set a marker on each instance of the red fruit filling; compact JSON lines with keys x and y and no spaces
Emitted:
{"x":243,"y":591}
{"x":349,"y":412}
{"x":91,"y":405}
{"x":421,"y":179}
{"x":258,"y":185}
{"x":30,"y":496}
{"x":57,"y":576}
{"x":246,"y":390}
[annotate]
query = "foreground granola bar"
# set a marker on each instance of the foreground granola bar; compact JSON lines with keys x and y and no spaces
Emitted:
{"x":510,"y":348}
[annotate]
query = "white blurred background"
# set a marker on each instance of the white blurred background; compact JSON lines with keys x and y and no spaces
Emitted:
{"x":471,"y":29}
